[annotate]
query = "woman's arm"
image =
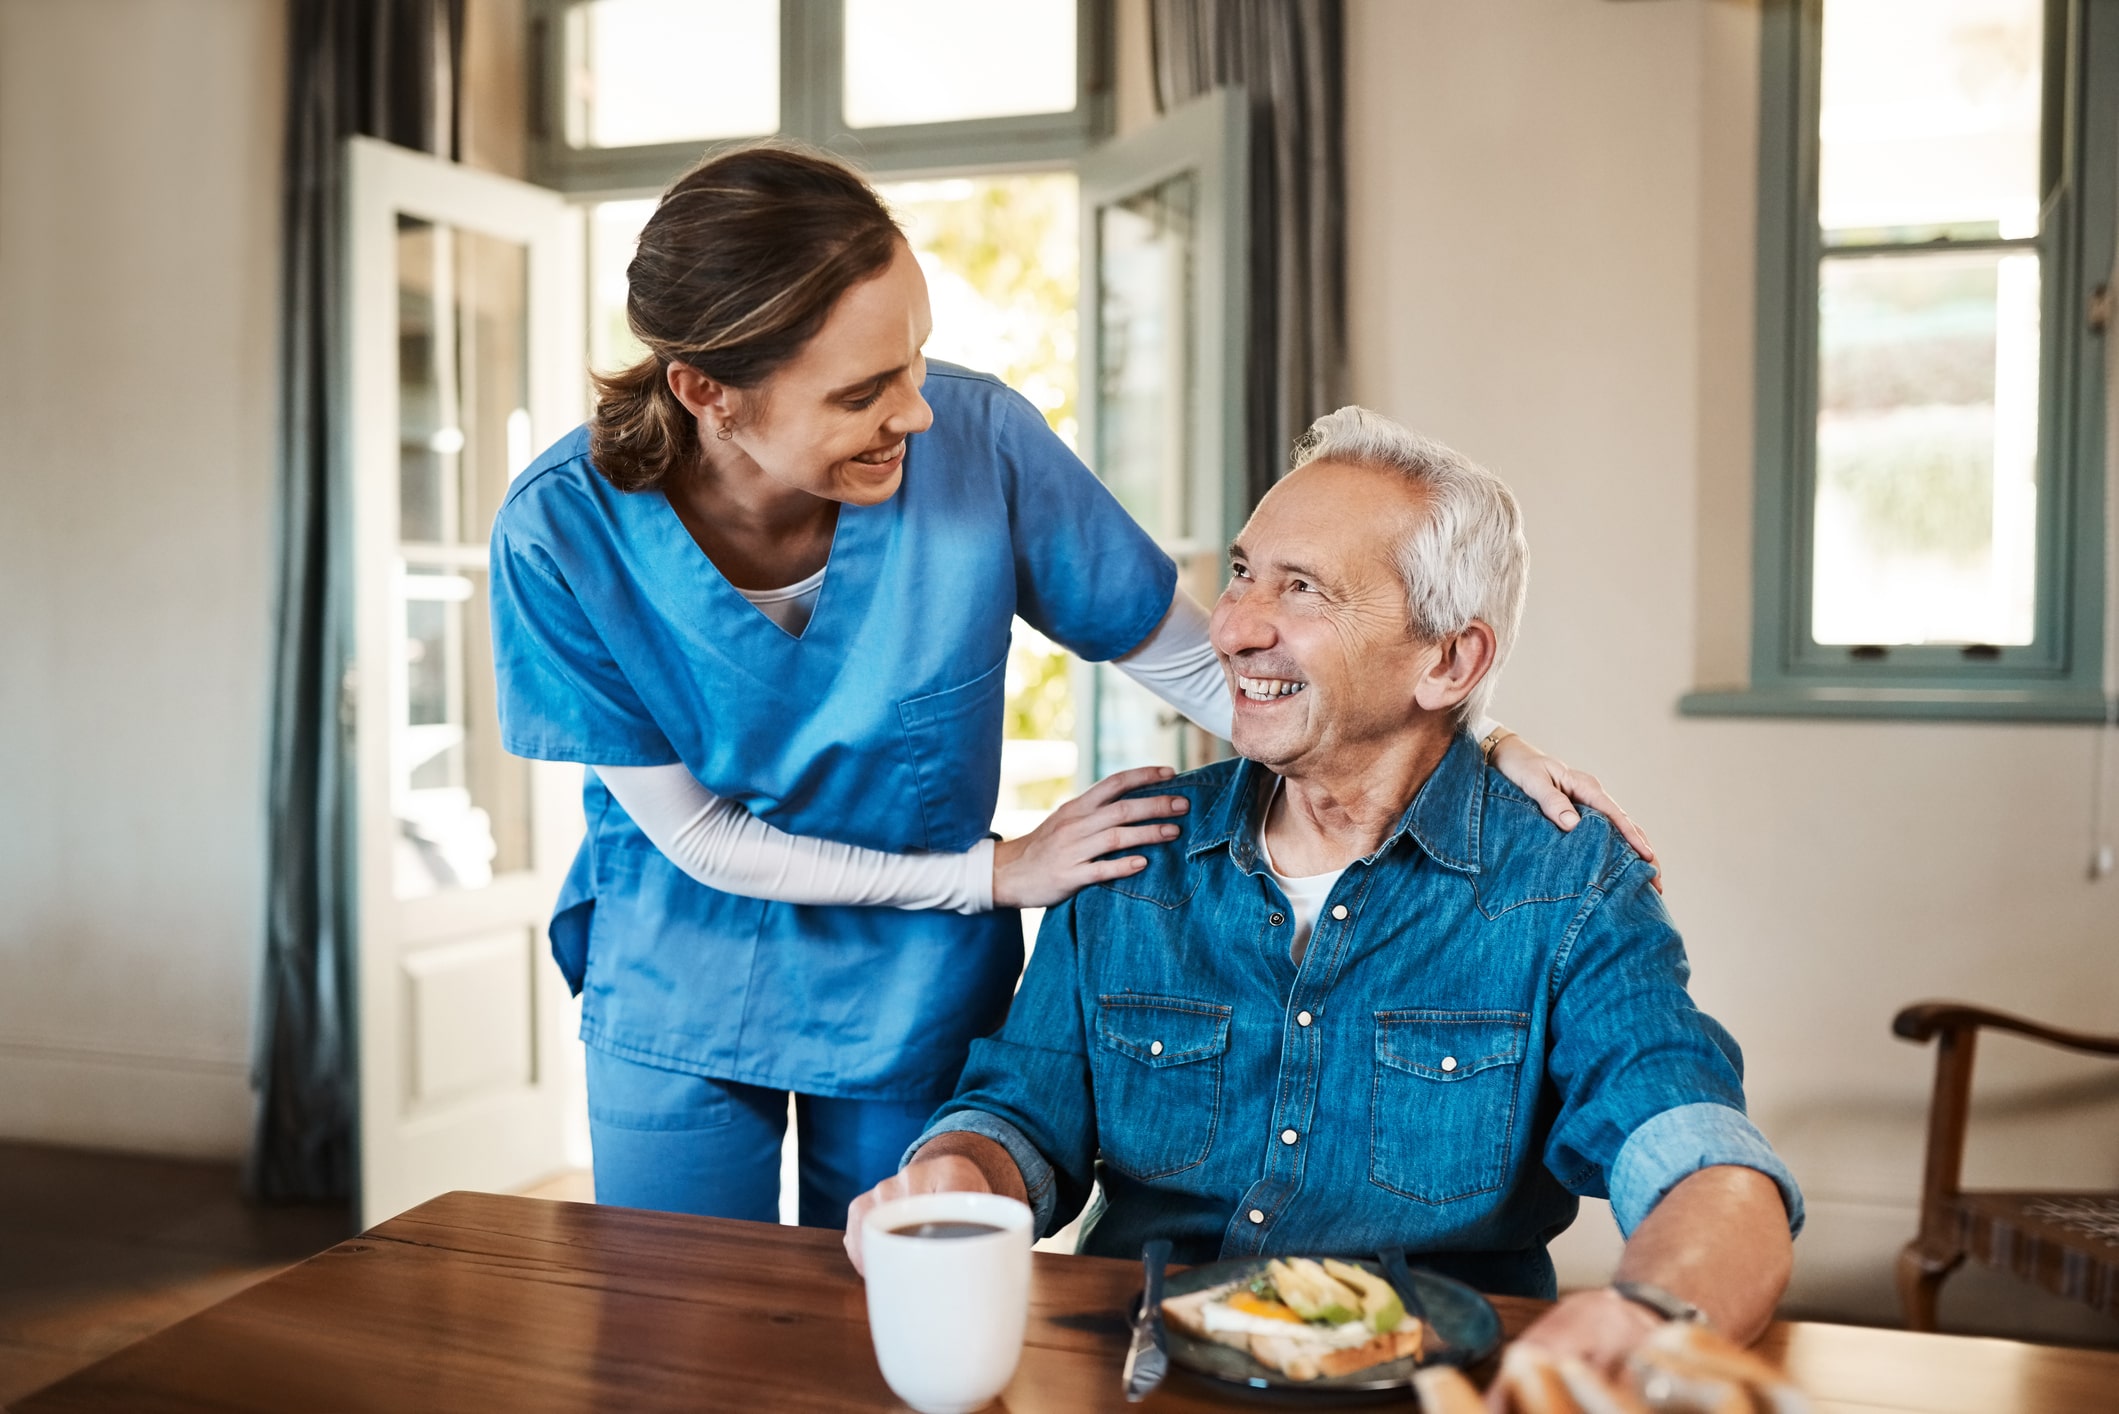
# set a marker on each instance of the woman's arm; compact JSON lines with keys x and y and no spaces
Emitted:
{"x":1178,"y":663}
{"x":724,"y":846}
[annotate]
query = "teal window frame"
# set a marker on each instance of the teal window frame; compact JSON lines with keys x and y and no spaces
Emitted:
{"x":812,"y":90}
{"x":2059,"y":675}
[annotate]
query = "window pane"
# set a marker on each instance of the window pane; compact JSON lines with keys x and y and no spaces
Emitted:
{"x":1143,"y":446}
{"x":647,"y":71}
{"x":939,"y":61}
{"x":1002,"y":256}
{"x":1929,"y":118}
{"x":462,"y":804}
{"x":614,"y":229}
{"x":1927,"y":443}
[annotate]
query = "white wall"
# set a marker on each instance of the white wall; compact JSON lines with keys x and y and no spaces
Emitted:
{"x":139,"y":152}
{"x":1551,"y":243}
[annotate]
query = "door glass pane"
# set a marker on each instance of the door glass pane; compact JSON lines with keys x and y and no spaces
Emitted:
{"x":1929,"y":118}
{"x":461,"y":803}
{"x":648,"y":71}
{"x":941,"y":61}
{"x":1145,"y":377}
{"x":1927,"y":449}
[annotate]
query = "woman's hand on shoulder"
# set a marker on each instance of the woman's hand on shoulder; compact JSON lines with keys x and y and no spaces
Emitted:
{"x":1559,"y":788}
{"x":1066,"y":853}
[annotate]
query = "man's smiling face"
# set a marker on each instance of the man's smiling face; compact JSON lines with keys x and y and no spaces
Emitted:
{"x":1313,"y":630}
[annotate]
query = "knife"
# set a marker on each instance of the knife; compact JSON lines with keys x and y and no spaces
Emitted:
{"x":1400,"y":1277}
{"x":1147,"y":1359}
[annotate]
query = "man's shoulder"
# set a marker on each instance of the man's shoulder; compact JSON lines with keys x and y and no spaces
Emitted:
{"x":1169,"y":880}
{"x":1525,"y":858}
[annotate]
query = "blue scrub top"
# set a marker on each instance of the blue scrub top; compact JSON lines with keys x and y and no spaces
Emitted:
{"x":617,"y":642}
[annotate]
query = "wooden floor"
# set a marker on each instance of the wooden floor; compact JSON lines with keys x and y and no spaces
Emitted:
{"x":98,"y":1250}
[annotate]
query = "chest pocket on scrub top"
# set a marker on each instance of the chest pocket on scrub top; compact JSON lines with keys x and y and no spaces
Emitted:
{"x":1158,"y":1079}
{"x":1444,"y":1102}
{"x":955,"y":740}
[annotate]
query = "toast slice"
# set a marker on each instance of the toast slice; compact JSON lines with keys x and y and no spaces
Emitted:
{"x":1187,"y":1313}
{"x":1296,"y":1358}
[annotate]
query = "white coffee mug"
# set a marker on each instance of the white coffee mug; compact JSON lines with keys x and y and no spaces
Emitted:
{"x":947,"y":1313}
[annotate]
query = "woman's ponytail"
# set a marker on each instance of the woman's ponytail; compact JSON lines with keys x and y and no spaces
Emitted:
{"x":640,"y":435}
{"x":736,"y":270}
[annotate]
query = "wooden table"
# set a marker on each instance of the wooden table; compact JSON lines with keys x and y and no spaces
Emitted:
{"x":478,"y":1302}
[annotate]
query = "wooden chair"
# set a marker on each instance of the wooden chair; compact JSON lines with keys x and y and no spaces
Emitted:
{"x":2067,"y":1243}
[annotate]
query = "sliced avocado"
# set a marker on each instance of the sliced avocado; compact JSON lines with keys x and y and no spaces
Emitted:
{"x":1313,"y":1293}
{"x":1380,"y":1305}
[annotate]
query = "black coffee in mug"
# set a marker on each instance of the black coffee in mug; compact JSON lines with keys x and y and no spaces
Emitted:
{"x":944,"y":1229}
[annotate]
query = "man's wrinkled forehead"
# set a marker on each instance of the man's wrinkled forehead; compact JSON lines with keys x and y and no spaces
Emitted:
{"x":1331,"y":519}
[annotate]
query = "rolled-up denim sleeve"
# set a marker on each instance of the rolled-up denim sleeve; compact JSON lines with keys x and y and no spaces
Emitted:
{"x":1678,"y":1143}
{"x":1027,"y":1087}
{"x":1650,"y":1087}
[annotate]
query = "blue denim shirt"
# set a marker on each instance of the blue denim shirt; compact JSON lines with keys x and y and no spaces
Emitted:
{"x":1489,"y":1021}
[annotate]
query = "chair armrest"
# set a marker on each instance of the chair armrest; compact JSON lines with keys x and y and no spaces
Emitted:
{"x":1926,"y":1020}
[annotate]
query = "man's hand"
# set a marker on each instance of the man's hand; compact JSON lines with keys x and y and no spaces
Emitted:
{"x":950,"y":1173}
{"x":1719,"y":1239}
{"x":1600,"y":1328}
{"x":955,"y":1162}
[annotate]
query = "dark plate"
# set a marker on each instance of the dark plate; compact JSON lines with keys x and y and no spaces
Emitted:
{"x":1463,"y":1329}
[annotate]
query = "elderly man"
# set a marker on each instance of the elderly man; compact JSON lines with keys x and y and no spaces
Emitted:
{"x":1370,"y":998}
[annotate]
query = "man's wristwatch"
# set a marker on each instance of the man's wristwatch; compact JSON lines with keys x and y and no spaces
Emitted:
{"x":1667,"y":1304}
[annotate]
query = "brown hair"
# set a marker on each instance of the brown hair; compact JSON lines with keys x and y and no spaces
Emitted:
{"x":737,"y":269}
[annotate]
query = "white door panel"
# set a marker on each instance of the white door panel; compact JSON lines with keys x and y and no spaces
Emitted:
{"x":463,"y":324}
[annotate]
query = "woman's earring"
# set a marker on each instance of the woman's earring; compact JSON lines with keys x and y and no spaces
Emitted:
{"x":727,"y":431}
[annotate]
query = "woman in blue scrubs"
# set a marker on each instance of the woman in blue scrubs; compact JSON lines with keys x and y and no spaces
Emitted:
{"x":765,"y":596}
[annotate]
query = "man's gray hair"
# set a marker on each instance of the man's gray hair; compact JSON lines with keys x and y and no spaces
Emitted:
{"x":1466,"y":559}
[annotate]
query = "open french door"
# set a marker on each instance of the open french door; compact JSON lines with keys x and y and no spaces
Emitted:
{"x":1165,"y":231}
{"x":463,"y":324}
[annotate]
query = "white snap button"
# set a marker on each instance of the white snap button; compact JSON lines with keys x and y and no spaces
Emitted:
{"x":1288,"y":1136}
{"x":1303,"y":1018}
{"x":1449,"y":1062}
{"x":1257,"y":1216}
{"x":1338,"y":910}
{"x":1155,"y":1048}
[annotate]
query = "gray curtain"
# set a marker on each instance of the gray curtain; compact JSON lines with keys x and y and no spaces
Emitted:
{"x":389,"y":69}
{"x":1287,"y":55}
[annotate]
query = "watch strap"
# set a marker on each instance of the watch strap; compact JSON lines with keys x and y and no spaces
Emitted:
{"x":1667,"y":1304}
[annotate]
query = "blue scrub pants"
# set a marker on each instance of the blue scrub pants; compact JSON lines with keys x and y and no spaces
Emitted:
{"x":691,"y":1144}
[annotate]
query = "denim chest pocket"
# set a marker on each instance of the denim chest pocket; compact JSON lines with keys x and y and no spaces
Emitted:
{"x":1157,"y":1066}
{"x":1444,"y":1102}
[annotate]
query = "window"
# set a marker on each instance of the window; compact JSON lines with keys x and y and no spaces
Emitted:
{"x":1936,"y":215}
{"x":630,"y":91}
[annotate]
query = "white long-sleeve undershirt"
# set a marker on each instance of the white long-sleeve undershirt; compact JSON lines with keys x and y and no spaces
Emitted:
{"x":724,"y":846}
